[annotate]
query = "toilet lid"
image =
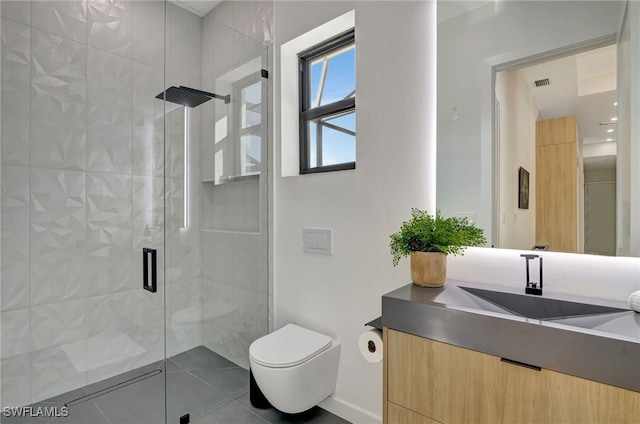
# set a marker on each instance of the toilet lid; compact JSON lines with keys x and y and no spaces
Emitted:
{"x":289,"y":346}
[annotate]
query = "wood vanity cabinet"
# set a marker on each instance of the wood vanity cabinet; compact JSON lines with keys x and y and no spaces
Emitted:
{"x":426,"y":382}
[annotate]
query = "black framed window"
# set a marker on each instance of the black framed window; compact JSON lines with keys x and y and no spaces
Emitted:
{"x":328,"y":105}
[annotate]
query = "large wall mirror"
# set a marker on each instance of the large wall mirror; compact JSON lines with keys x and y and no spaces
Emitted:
{"x":535,"y":140}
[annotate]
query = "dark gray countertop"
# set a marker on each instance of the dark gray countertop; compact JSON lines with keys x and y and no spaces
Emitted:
{"x":606,"y":349}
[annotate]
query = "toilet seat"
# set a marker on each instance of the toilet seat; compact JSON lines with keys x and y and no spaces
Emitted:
{"x":295,"y":368}
{"x":287,"y":347}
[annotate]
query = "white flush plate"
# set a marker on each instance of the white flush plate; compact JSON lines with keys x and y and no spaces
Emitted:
{"x":317,"y":240}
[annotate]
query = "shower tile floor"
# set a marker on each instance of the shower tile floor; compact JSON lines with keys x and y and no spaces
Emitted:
{"x":201,"y":383}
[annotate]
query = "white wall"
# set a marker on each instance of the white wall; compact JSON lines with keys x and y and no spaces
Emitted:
{"x":337,"y":294}
{"x":468,"y":46}
{"x":628,"y":164}
{"x":518,"y":115}
{"x":253,"y":18}
{"x":634,"y":204}
{"x":599,"y":174}
{"x":566,"y":273}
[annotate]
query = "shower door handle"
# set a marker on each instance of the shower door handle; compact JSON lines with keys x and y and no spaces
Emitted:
{"x":149,"y":270}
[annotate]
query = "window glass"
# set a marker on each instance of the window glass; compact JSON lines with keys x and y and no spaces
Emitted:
{"x":327,"y":106}
{"x":333,"y":77}
{"x":251,"y":100}
{"x":251,"y":152}
{"x":337,"y":139}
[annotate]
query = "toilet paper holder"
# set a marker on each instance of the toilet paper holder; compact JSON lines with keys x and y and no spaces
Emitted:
{"x":377,"y":324}
{"x":370,"y":341}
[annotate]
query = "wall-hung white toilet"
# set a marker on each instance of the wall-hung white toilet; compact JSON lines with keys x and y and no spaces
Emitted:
{"x":295,"y":368}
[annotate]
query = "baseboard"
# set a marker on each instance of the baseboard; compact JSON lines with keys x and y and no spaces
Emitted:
{"x":349,"y":412}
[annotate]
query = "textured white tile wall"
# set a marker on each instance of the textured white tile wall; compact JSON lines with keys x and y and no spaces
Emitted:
{"x":67,"y":19}
{"x":109,"y":112}
{"x":234,"y":242}
{"x":148,"y":36}
{"x":109,"y":233}
{"x":15,"y":333}
{"x":252,"y":18}
{"x":183,"y":315}
{"x":58,"y":233}
{"x":184,"y":282}
{"x":15,"y":238}
{"x":148,"y":128}
{"x":110,"y":26}
{"x":58,"y":102}
{"x":233,"y":318}
{"x":53,"y":373}
{"x":16,"y":48}
{"x":55,"y":324}
{"x":148,"y":326}
{"x":15,"y":379}
{"x":108,"y":318}
{"x":83,"y":191}
{"x":17,"y":11}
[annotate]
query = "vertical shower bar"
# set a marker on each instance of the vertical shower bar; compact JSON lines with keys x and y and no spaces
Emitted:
{"x":185,"y":196}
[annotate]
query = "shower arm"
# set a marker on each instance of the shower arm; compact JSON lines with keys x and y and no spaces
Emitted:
{"x":227,"y":98}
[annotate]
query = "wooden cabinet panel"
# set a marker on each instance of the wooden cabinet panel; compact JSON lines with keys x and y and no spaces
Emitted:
{"x":556,"y":131}
{"x":443,"y":382}
{"x":556,"y":194}
{"x":520,"y":393}
{"x":577,"y":400}
{"x":455,"y":385}
{"x":400,"y":415}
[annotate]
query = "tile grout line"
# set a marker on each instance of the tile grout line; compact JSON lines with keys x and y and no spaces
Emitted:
{"x":234,"y":400}
{"x":211,"y":385}
{"x":213,"y":409}
{"x":262,"y":418}
{"x":100,"y":410}
{"x":30,"y":201}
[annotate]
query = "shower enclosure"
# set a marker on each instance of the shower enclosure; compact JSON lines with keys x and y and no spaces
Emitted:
{"x":134,"y":204}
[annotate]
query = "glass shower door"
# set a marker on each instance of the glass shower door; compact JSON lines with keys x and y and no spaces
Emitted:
{"x":217,"y":202}
{"x":83,"y":211}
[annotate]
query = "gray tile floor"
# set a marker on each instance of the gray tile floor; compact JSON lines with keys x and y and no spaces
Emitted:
{"x":201,"y":383}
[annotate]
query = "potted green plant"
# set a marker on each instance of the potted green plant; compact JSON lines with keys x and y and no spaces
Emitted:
{"x":428,"y":239}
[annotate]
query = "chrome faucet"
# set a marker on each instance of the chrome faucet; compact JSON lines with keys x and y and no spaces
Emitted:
{"x":532,"y":287}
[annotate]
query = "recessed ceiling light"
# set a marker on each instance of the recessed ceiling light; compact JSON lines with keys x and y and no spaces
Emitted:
{"x":615,"y":104}
{"x":609,"y":139}
{"x":610,"y":130}
{"x":615,"y":118}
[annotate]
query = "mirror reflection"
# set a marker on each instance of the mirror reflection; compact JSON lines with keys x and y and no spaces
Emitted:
{"x":556,"y":122}
{"x":529,"y":123}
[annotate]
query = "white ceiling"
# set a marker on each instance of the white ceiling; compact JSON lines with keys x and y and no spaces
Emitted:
{"x":197,"y":7}
{"x":448,"y":9}
{"x":583,"y":85}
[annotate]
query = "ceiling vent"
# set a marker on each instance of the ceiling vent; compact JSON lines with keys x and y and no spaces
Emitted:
{"x":541,"y":82}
